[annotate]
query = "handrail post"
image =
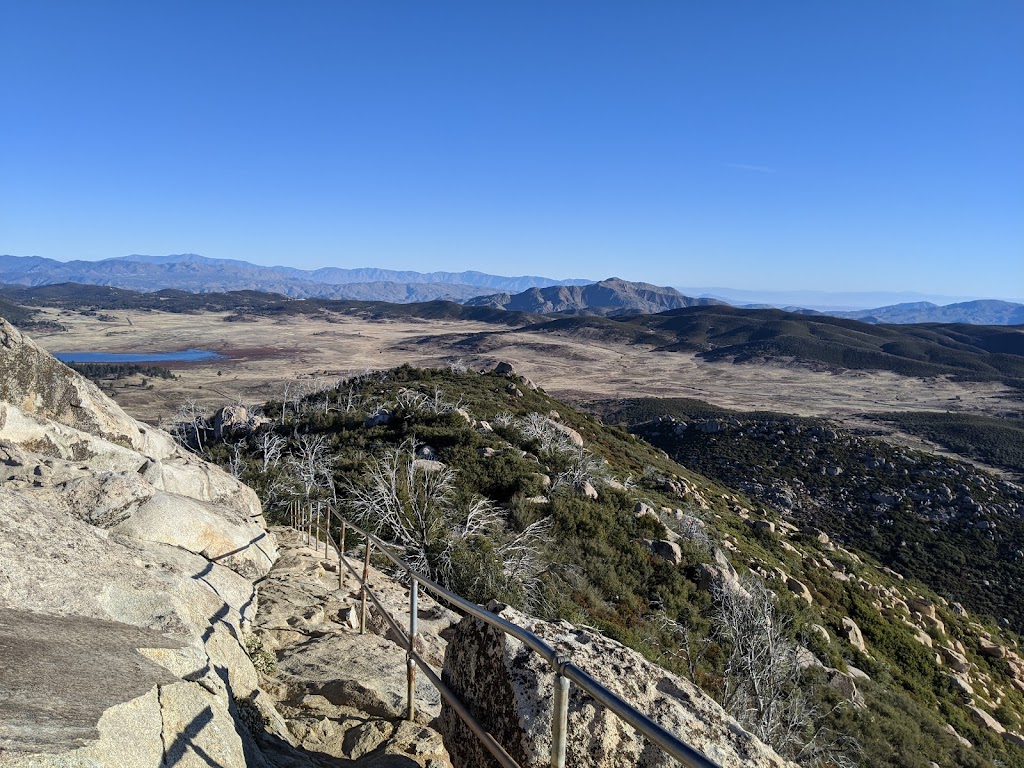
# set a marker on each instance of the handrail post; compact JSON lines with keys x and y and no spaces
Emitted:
{"x":309,"y":524}
{"x":316,"y":535}
{"x":414,"y":589}
{"x":559,"y":717}
{"x":327,"y":529}
{"x":366,"y":577}
{"x":341,"y":553}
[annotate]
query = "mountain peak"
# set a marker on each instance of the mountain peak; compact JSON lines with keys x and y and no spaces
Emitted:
{"x":613,"y":296}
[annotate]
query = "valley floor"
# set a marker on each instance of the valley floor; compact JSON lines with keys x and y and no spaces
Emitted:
{"x":268,"y":354}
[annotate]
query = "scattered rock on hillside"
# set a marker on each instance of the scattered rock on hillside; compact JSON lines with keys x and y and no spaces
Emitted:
{"x":720,"y":575}
{"x":427,"y":465}
{"x":800,"y":589}
{"x":232,"y":419}
{"x":853,"y":634}
{"x":574,"y":437}
{"x":666,"y":550}
{"x":986,"y":720}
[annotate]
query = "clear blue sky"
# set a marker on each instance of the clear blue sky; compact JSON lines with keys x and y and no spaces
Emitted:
{"x":795,"y":144}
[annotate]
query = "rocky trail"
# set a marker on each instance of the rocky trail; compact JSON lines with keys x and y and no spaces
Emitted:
{"x":342,"y":693}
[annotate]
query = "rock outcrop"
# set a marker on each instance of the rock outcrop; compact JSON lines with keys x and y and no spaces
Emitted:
{"x":38,"y":384}
{"x":509,"y":689}
{"x":126,"y":584}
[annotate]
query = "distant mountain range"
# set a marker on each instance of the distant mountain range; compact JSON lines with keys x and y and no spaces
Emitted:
{"x":836,"y":301}
{"x":190,"y":272}
{"x":534,"y":294}
{"x":605,"y":298}
{"x":981,"y":312}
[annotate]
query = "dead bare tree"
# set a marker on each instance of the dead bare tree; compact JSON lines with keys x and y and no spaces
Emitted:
{"x":504,"y":419}
{"x":352,"y":399}
{"x":583,"y":467}
{"x":419,"y":402}
{"x":312,"y":463}
{"x":692,"y":528}
{"x":762,"y":684}
{"x":270,"y":445}
{"x":405,"y":504}
{"x":237,"y":461}
{"x":285,"y":399}
{"x":412,"y":506}
{"x":521,"y":555}
{"x":191,"y":415}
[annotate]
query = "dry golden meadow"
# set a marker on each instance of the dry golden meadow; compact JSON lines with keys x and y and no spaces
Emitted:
{"x":266,"y":354}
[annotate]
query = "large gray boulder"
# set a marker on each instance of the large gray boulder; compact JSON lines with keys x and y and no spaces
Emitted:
{"x":509,"y":689}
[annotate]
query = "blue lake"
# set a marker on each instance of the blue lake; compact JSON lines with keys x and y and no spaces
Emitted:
{"x":185,"y":355}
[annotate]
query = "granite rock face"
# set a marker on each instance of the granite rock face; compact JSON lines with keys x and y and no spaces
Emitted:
{"x":37,"y":383}
{"x":509,"y":690}
{"x":126,"y":584}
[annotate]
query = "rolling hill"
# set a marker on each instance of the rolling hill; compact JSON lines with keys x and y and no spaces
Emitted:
{"x":728,"y":333}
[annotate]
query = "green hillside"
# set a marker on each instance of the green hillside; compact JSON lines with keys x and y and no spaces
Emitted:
{"x":915,"y":512}
{"x":614,"y":534}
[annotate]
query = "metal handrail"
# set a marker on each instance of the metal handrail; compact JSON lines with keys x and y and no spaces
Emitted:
{"x":564,"y":669}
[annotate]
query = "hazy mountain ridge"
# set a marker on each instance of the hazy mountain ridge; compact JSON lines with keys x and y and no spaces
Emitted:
{"x":201,"y":274}
{"x":832,"y":301}
{"x":527,"y":293}
{"x":980,"y":312}
{"x":610,"y":297}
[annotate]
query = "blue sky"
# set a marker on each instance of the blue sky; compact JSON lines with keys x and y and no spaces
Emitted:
{"x":785,"y":145}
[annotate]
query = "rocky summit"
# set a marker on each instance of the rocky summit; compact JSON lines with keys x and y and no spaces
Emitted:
{"x":148,"y":617}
